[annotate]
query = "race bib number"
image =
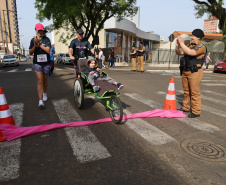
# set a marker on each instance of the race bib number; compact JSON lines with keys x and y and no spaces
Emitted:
{"x":42,"y":58}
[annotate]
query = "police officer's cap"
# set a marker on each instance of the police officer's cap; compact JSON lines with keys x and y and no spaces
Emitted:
{"x":80,"y":31}
{"x":198,"y":33}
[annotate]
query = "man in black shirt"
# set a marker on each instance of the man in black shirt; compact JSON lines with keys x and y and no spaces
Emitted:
{"x":79,"y":47}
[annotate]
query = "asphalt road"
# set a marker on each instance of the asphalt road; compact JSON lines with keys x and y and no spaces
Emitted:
{"x":140,"y":151}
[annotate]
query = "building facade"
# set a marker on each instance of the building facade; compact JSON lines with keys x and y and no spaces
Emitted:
{"x":119,"y":36}
{"x":9,"y":30}
{"x":211,"y":25}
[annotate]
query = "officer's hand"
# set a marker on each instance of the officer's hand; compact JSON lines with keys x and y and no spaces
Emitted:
{"x":72,"y":57}
{"x":180,"y":39}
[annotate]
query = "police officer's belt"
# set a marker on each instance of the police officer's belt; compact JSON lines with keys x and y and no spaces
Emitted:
{"x":189,"y":68}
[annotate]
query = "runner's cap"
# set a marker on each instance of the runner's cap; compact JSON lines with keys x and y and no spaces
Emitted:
{"x":80,"y":31}
{"x":39,"y":26}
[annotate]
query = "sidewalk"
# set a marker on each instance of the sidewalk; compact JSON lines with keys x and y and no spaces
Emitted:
{"x":148,"y":66}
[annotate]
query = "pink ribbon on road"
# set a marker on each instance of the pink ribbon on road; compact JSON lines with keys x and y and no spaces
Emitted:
{"x":11,"y":132}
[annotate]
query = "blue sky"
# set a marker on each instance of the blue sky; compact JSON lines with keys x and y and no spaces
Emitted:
{"x":161,"y":16}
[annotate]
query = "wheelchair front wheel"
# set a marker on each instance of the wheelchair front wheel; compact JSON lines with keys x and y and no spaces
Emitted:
{"x":78,"y":93}
{"x":116,"y":112}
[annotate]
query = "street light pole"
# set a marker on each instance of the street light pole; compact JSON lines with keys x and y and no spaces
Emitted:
{"x":5,"y":40}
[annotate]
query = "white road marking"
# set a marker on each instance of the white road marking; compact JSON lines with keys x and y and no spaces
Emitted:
{"x":10,"y":151}
{"x":145,"y":129}
{"x":13,"y":70}
{"x":215,"y":84}
{"x":28,"y":69}
{"x":145,"y":101}
{"x":211,"y":99}
{"x":191,"y":122}
{"x":214,"y":81}
{"x":215,"y":93}
{"x":56,"y":68}
{"x":70,"y":68}
{"x":148,"y":132}
{"x":84,"y":143}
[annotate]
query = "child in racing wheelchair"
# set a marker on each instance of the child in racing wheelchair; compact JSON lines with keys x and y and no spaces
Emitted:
{"x":93,"y":73}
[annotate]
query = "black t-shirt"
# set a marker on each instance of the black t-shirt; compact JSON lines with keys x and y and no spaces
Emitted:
{"x":40,"y":56}
{"x":80,"y":48}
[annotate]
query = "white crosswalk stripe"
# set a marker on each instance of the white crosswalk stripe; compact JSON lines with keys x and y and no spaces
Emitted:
{"x":215,"y":93}
{"x":148,"y":132}
{"x":213,"y":84}
{"x":13,"y":70}
{"x":84,"y":143}
{"x":56,"y":68}
{"x":28,"y":69}
{"x":10,"y":151}
{"x":145,"y":129}
{"x":191,"y":122}
{"x":211,"y":99}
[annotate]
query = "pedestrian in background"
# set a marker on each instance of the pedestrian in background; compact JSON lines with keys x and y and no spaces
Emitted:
{"x":100,"y":58}
{"x":140,"y":53}
{"x":40,"y":46}
{"x":207,"y":61}
{"x":111,"y":58}
{"x":52,"y":51}
{"x":192,"y":72}
{"x":133,"y":54}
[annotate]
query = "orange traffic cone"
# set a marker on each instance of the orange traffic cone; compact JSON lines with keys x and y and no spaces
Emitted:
{"x":170,"y":101}
{"x":5,"y":114}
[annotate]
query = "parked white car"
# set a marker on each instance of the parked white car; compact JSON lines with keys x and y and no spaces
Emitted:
{"x":9,"y":60}
{"x":23,"y":59}
{"x":66,"y":59}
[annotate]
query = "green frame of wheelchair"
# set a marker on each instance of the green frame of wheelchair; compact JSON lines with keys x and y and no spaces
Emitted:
{"x":88,"y":90}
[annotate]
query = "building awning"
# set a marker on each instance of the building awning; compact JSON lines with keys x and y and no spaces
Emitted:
{"x":127,"y":26}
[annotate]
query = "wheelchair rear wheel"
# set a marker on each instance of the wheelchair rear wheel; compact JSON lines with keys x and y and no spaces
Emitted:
{"x":78,"y":93}
{"x":116,"y":113}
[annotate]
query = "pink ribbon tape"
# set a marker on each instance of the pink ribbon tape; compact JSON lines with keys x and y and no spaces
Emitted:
{"x":11,"y":132}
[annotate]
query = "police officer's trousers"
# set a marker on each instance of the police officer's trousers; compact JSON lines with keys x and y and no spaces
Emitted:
{"x":134,"y":67}
{"x":140,"y":63}
{"x":191,"y":86}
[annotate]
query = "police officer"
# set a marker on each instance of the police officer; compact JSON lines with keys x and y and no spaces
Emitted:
{"x":140,"y":53}
{"x":133,"y":54}
{"x":79,"y":47}
{"x":192,"y":72}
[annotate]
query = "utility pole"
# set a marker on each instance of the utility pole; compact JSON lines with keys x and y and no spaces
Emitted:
{"x":5,"y":40}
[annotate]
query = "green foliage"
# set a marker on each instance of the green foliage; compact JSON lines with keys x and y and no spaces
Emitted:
{"x":89,"y":15}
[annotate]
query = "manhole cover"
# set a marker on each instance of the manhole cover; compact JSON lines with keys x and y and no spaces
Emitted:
{"x":204,"y":150}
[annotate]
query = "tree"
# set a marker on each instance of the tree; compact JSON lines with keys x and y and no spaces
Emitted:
{"x":213,"y":8}
{"x":90,"y":15}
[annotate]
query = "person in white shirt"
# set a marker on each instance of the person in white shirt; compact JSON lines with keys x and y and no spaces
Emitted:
{"x":100,"y":58}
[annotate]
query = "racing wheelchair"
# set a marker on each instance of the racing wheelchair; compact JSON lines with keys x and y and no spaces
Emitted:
{"x":109,"y":93}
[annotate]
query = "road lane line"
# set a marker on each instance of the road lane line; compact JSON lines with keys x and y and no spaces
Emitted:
{"x":147,"y":131}
{"x":84,"y":143}
{"x":13,"y":70}
{"x":145,"y":101}
{"x":203,"y":126}
{"x":211,"y":99}
{"x":56,"y":68}
{"x":215,"y":93}
{"x":10,"y":151}
{"x":28,"y":69}
{"x":215,"y":84}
